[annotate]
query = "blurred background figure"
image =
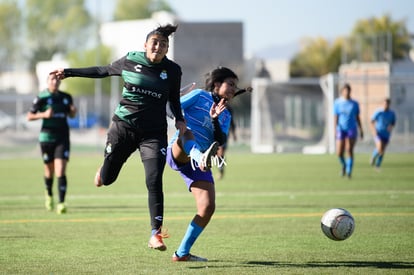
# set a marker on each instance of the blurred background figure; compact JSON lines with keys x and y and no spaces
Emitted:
{"x":382,"y":122}
{"x":347,"y":121}
{"x":53,"y":107}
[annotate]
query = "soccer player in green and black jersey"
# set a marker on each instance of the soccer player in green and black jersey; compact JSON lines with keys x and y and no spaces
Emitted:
{"x":53,"y":106}
{"x":140,"y":122}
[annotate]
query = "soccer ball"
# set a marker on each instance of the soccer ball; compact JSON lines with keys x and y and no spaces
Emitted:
{"x":337,"y":224}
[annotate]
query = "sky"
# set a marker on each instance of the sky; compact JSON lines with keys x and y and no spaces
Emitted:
{"x":269,"y":23}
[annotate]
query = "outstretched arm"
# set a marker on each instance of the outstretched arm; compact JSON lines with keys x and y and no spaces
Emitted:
{"x":89,"y":72}
{"x":115,"y":68}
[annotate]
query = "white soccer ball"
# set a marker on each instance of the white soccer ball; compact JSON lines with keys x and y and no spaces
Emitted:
{"x":337,"y":224}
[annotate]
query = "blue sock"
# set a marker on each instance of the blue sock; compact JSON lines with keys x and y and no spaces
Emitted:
{"x":193,"y":231}
{"x":349,"y":164}
{"x":379,"y":160}
{"x":188,"y":145}
{"x":191,"y":148}
{"x":374,"y":156}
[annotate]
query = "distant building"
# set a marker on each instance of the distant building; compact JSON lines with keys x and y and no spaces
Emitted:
{"x":197,"y":46}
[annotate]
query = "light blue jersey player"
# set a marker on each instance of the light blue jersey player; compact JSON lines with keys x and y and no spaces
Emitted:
{"x":208,"y":123}
{"x":347,"y":122}
{"x":382,"y":122}
{"x":196,"y":107}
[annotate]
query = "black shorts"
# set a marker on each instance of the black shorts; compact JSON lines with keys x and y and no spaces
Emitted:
{"x":55,"y":150}
{"x":123,"y":140}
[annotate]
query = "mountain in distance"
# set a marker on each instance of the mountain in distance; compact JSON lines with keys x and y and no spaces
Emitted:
{"x":284,"y":52}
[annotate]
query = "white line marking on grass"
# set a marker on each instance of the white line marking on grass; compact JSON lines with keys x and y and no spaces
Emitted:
{"x":221,"y":194}
{"x":223,"y":216}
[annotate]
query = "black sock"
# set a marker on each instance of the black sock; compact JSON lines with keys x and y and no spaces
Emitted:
{"x":62,"y":184}
{"x":49,"y":185}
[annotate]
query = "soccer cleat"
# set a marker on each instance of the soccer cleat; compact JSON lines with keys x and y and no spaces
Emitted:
{"x":97,"y":180}
{"x":61,"y":208}
{"x":48,"y":202}
{"x":187,"y":258}
{"x":156,"y":242}
{"x":207,"y":156}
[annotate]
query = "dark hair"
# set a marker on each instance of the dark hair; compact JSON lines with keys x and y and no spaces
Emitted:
{"x":346,"y":86}
{"x":164,"y":31}
{"x":218,"y":75}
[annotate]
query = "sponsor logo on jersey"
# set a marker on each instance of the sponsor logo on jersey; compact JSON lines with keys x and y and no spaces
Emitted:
{"x":108,"y":148}
{"x":145,"y":92}
{"x":163,"y":75}
{"x":138,"y":68}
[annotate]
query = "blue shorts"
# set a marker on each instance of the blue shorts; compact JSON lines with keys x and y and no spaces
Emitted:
{"x":351,"y":134}
{"x":187,"y":172}
{"x":382,"y":138}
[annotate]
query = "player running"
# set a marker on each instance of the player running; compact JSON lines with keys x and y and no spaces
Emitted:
{"x":347,"y":122}
{"x":150,"y":81}
{"x":382,"y":123}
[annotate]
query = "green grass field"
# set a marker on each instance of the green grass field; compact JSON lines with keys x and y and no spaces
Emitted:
{"x":267,"y":219}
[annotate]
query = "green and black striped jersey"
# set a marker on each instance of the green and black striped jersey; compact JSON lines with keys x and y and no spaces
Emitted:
{"x":54,"y":128}
{"x":147,"y":88}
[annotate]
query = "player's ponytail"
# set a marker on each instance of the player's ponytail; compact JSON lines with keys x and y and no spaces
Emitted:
{"x":164,"y":31}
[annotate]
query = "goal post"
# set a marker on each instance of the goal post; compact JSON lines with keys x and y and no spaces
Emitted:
{"x":297,"y":115}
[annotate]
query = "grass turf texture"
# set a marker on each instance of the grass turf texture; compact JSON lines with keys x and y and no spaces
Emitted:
{"x":267,"y":219}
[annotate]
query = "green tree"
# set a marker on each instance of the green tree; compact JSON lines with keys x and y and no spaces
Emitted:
{"x":374,"y":39}
{"x":371,"y":40}
{"x":10,"y":31}
{"x":139,"y":9}
{"x":55,"y":27}
{"x":317,"y":57}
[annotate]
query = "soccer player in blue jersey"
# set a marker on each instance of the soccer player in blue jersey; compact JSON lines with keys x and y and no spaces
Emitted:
{"x":140,"y":120}
{"x":208,"y":123}
{"x":347,"y":122}
{"x":382,"y":122}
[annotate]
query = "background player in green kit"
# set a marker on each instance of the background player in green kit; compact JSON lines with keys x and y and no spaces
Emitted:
{"x":140,"y":120}
{"x":53,"y":106}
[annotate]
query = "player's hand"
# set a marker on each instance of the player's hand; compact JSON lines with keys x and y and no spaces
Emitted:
{"x":59,"y":73}
{"x":72,"y":111}
{"x":48,"y":113}
{"x":217,"y":108}
{"x":181,"y":126}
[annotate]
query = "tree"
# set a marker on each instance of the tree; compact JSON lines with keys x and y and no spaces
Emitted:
{"x":371,"y":40}
{"x":138,"y":9}
{"x":317,"y":57}
{"x":55,"y":27}
{"x":10,"y":16}
{"x":376,"y":38}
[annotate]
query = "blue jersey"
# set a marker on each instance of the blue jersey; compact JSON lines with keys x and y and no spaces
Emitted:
{"x":196,"y":108}
{"x":347,"y":111}
{"x":383,"y":120}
